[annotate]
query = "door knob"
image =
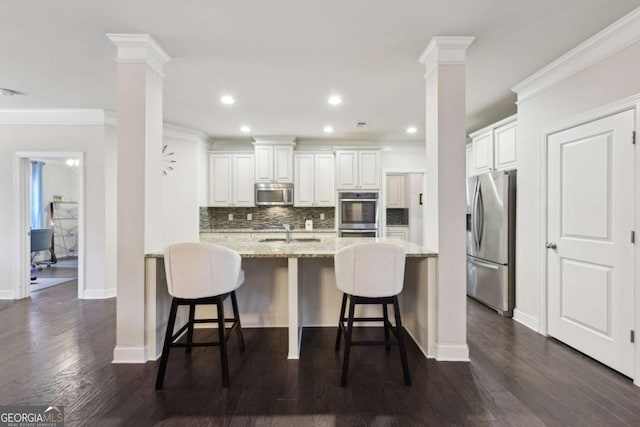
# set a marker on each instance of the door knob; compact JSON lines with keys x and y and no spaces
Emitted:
{"x":550,"y":245}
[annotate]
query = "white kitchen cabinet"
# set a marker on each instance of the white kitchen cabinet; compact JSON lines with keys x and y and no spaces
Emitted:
{"x":396,"y":192}
{"x":469,"y":156}
{"x":398,"y":232}
{"x":493,"y":148}
{"x":274,"y":163}
{"x":358,"y":169}
{"x":505,"y":138}
{"x":314,"y":183}
{"x":231,"y":179}
{"x":482,"y":156}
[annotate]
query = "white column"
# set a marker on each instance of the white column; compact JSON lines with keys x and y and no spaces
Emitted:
{"x":139,"y":167}
{"x":444,"y":59}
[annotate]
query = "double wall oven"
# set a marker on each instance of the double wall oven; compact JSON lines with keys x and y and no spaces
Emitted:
{"x":358,"y":214}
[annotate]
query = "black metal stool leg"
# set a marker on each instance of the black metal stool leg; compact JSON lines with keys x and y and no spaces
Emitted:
{"x":167,"y":343}
{"x":236,"y":314}
{"x":192,"y":315}
{"x":347,"y":343}
{"x":224,"y":361}
{"x":340,"y":324}
{"x":385,"y":314}
{"x":403,"y":350}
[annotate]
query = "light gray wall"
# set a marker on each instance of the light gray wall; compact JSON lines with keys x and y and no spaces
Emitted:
{"x":612,"y":79}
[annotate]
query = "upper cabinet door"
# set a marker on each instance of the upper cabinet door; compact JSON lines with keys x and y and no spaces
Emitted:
{"x":283,"y":163}
{"x":324,"y":188}
{"x":220,"y":166}
{"x":483,"y":153}
{"x":264,"y":163}
{"x":347,"y":169}
{"x":304,"y":180}
{"x":369,"y":165}
{"x":395,"y":191}
{"x":505,"y":147}
{"x":243,"y":180}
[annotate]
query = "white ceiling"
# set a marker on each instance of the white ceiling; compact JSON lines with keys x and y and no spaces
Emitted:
{"x":282,"y":58}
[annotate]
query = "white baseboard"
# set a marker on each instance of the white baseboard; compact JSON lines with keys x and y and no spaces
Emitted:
{"x":452,"y":352}
{"x":130,"y":354}
{"x":422,"y":350}
{"x":99,"y":293}
{"x":526,"y":320}
{"x":7,"y":294}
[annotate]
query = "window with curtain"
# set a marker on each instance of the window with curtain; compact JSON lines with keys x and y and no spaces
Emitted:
{"x":37,"y":203}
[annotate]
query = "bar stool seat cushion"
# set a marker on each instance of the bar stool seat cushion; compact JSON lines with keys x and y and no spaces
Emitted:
{"x":370,"y":270}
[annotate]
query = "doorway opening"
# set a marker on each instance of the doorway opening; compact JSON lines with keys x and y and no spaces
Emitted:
{"x":50,"y":218}
{"x":403,"y":208}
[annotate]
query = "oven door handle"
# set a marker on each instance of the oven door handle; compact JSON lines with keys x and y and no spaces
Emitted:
{"x":358,"y":200}
{"x":359,"y":231}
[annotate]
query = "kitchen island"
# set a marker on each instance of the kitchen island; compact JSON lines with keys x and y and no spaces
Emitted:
{"x":292,"y":285}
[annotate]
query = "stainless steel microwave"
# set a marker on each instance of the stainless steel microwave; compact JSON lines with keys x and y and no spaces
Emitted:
{"x":268,"y":194}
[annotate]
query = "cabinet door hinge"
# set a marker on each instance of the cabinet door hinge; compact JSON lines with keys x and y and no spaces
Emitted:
{"x":632,"y":335}
{"x":633,"y":237}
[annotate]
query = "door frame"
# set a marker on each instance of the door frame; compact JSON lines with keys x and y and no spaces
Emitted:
{"x":22,"y":195}
{"x":383,"y":197}
{"x":625,"y":104}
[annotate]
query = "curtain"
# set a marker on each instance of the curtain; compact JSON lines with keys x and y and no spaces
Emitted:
{"x":37,"y":204}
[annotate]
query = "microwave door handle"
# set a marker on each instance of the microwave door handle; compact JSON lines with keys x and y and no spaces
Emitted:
{"x":285,"y":196}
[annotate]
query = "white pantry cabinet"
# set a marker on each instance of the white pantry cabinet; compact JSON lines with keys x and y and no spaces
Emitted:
{"x":493,"y":148}
{"x":358,"y":169}
{"x":396,"y":191}
{"x":274,"y":163}
{"x":231,"y":179}
{"x":314,"y":183}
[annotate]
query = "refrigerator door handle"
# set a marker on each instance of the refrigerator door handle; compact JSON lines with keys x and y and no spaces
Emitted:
{"x":474,"y":218}
{"x":480,"y":216}
{"x":484,"y":264}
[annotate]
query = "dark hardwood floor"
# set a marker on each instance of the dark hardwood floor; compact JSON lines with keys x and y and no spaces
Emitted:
{"x":58,"y":350}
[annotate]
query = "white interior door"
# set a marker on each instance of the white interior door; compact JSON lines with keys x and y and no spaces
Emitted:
{"x":590,"y":256}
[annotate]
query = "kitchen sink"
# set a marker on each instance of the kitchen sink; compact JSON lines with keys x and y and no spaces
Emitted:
{"x":299,"y":240}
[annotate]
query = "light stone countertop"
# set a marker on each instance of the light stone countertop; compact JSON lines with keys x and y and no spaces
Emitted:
{"x":325,"y":248}
{"x":265,"y":230}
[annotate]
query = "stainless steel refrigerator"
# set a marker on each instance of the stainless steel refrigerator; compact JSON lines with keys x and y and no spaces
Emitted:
{"x":491,"y":220}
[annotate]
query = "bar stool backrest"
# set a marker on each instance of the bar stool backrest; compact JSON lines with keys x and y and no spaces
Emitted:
{"x":370,"y":270}
{"x":199,"y":270}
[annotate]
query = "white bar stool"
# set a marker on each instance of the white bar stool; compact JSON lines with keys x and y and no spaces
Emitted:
{"x":370,"y":273}
{"x":200,"y":273}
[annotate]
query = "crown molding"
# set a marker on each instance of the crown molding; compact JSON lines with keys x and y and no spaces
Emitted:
{"x":612,"y":39}
{"x":55,"y":116}
{"x":139,"y":49}
{"x":183,"y":133}
{"x":271,"y":140}
{"x":492,"y":126}
{"x":445,"y":50}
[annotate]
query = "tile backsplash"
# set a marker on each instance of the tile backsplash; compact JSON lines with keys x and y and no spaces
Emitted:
{"x":267,"y":217}
{"x":397,"y":216}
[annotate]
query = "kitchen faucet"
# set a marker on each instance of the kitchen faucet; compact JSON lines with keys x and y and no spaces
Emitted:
{"x":287,"y":229}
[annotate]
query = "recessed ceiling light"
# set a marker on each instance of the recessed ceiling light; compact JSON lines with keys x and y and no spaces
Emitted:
{"x":245,"y":129}
{"x":8,"y":92}
{"x":227,"y":99}
{"x":335,"y":100}
{"x":328,"y":129}
{"x":412,"y":129}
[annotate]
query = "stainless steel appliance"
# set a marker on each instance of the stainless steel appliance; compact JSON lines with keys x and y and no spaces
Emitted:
{"x":358,"y":214}
{"x":268,"y":194}
{"x":491,"y":219}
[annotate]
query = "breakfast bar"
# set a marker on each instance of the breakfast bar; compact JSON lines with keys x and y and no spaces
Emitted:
{"x":291,"y":284}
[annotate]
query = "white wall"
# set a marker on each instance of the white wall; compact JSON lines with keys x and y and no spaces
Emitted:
{"x":613,"y":78}
{"x":180,"y":192}
{"x":59,"y":179}
{"x":89,"y":139}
